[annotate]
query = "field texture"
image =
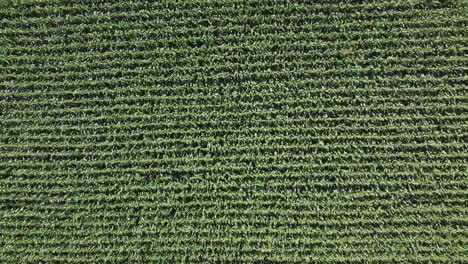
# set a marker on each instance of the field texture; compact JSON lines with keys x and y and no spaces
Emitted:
{"x":201,"y":131}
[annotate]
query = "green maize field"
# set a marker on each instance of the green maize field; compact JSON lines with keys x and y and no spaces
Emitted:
{"x":234,"y":131}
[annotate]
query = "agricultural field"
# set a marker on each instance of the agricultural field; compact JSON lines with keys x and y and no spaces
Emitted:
{"x":234,"y":131}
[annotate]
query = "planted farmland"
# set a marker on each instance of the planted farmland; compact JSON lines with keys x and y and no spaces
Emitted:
{"x":234,"y":131}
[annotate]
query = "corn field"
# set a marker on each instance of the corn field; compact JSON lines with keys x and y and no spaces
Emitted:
{"x":234,"y":131}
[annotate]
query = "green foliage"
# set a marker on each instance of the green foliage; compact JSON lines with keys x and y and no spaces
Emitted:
{"x":445,"y":3}
{"x":237,"y":131}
